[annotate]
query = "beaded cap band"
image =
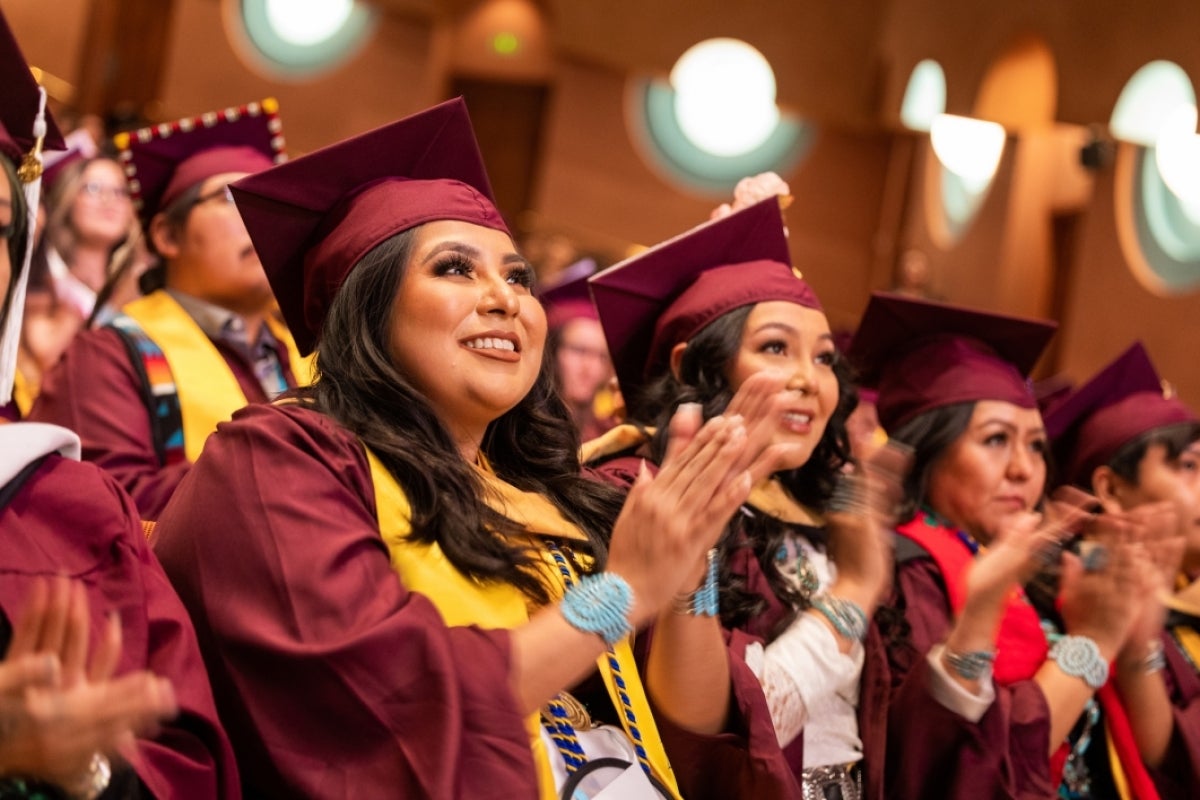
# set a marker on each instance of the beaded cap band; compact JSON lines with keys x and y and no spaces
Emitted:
{"x":150,"y":155}
{"x":1080,"y":657}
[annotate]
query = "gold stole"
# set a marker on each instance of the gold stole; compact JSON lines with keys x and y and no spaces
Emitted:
{"x":463,"y":601}
{"x":208,"y":391}
{"x":1186,"y":600}
{"x":769,"y":497}
{"x":23,"y":394}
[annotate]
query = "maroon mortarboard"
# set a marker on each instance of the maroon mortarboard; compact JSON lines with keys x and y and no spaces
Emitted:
{"x":314,"y":218}
{"x":19,"y":102}
{"x":80,"y":147}
{"x":162,"y":161}
{"x":568,"y":297}
{"x":666,"y":295}
{"x":921,"y":355}
{"x":1121,"y":402}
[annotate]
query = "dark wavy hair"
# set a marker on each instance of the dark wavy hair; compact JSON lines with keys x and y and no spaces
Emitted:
{"x":929,"y":434}
{"x":19,"y":238}
{"x":1174,"y":438}
{"x":703,"y":379}
{"x":533,"y":446}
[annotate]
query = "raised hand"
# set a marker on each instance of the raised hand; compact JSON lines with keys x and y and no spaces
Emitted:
{"x":58,"y":707}
{"x":751,"y":190}
{"x":671,"y":520}
{"x":860,"y":518}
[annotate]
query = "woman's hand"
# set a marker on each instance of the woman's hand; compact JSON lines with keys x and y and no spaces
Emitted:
{"x":860,"y":519}
{"x":1099,"y":592}
{"x":58,"y":708}
{"x":751,"y":190}
{"x":672,"y":519}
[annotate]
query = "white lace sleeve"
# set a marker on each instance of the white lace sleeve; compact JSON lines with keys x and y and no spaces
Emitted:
{"x":800,"y":670}
{"x":952,"y":695}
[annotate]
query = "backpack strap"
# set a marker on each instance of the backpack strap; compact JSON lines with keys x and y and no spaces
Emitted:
{"x":159,"y":394}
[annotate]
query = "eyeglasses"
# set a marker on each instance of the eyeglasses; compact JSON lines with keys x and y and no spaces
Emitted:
{"x":223,"y":194}
{"x":97,"y":190}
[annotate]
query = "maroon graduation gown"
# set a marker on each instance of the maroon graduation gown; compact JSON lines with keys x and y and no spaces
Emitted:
{"x":1179,"y":773}
{"x":95,"y":391}
{"x":71,"y":518}
{"x":765,"y":770}
{"x":930,"y":750}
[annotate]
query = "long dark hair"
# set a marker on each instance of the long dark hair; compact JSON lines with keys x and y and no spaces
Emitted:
{"x":533,"y":446}
{"x":17,"y":241}
{"x":702,"y":379}
{"x":929,"y":434}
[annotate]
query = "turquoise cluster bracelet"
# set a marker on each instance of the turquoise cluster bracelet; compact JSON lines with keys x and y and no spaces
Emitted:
{"x":600,"y":604}
{"x":846,"y":617}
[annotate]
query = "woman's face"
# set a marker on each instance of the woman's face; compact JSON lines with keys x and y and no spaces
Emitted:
{"x":1161,"y":478}
{"x":994,"y":470}
{"x":582,"y":361}
{"x":466,"y":329}
{"x":102,"y":212}
{"x":795,"y":341}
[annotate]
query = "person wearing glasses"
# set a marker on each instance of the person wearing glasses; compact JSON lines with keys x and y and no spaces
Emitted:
{"x":146,"y":389}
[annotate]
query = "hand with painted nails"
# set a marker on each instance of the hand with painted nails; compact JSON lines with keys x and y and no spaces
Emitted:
{"x":60,"y":708}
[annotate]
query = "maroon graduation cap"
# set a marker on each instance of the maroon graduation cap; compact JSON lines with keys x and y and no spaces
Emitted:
{"x":1121,"y":402}
{"x":315,"y":217}
{"x":162,"y":161}
{"x":568,"y":297}
{"x":80,"y":147}
{"x":666,"y":295}
{"x":19,"y":101}
{"x":922,"y":355}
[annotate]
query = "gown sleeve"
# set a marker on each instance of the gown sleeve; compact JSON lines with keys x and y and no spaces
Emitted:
{"x":333,"y":679}
{"x":932,"y":751}
{"x":1179,"y":773}
{"x":95,"y":391}
{"x":72,"y":519}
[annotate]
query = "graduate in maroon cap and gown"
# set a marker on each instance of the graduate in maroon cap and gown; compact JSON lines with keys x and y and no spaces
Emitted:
{"x":144,"y":391}
{"x":1126,"y":438}
{"x":705,"y":318}
{"x":58,"y":518}
{"x":952,"y":386}
{"x":575,"y":341}
{"x":401,"y":580}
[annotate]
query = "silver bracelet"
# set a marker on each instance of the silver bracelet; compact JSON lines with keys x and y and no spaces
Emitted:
{"x":1080,"y":657}
{"x":1155,"y":659}
{"x":970,"y":666}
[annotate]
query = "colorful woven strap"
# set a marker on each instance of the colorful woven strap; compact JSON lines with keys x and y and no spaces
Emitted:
{"x":159,"y":392}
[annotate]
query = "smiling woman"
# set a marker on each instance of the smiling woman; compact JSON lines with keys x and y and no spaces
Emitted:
{"x":413,"y":548}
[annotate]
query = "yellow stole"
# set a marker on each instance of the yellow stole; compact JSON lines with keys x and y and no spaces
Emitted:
{"x":208,"y":391}
{"x":463,"y":601}
{"x":1186,"y":600}
{"x":23,"y":394}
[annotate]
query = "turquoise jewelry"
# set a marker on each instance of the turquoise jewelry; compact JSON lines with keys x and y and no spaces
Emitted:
{"x":600,"y":604}
{"x":705,"y":601}
{"x":798,"y":569}
{"x":970,"y":666}
{"x":561,"y":731}
{"x":846,"y":617}
{"x":1080,"y":657}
